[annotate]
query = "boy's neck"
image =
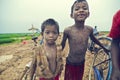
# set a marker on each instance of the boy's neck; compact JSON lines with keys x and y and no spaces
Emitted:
{"x":79,"y":24}
{"x":49,"y":45}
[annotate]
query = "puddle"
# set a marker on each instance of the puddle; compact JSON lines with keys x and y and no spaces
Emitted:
{"x":5,"y":57}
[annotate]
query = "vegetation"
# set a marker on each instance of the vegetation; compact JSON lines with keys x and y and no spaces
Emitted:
{"x":14,"y":37}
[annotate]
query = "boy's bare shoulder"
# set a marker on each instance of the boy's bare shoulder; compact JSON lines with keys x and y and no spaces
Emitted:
{"x":68,"y":29}
{"x":89,"y":28}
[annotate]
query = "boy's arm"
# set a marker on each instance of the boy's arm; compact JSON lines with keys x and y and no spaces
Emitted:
{"x":94,"y":39}
{"x":115,"y":51}
{"x":65,"y":36}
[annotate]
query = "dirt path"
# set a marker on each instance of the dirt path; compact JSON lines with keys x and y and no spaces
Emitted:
{"x":17,"y":57}
{"x":14,"y":57}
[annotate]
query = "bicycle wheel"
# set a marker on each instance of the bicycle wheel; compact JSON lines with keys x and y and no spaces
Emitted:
{"x":105,"y":41}
{"x":101,"y":65}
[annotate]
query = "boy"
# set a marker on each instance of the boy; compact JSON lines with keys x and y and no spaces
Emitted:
{"x":77,"y":35}
{"x":47,"y":62}
{"x":115,"y":46}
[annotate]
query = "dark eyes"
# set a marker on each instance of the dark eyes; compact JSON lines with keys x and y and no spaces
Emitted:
{"x":55,"y":32}
{"x":84,"y":8}
{"x":76,"y":9}
{"x":47,"y":32}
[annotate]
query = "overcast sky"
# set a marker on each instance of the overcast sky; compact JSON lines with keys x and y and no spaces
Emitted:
{"x":16,"y":16}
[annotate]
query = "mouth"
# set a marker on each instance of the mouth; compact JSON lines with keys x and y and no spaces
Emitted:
{"x":81,"y":15}
{"x":51,"y":40}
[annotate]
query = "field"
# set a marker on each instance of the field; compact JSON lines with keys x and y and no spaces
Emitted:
{"x":14,"y":57}
{"x":9,"y":38}
{"x":15,"y":37}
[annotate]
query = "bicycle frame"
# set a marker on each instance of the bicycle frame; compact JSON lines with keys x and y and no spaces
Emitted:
{"x":98,"y":73}
{"x":27,"y":68}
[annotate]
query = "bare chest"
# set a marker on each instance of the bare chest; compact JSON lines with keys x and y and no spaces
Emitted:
{"x":79,"y":36}
{"x":51,"y":54}
{"x":51,"y":58}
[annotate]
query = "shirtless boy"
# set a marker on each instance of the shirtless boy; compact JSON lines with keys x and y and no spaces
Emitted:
{"x":78,"y":35}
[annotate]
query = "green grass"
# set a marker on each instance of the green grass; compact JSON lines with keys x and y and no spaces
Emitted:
{"x":2,"y":41}
{"x":14,"y":37}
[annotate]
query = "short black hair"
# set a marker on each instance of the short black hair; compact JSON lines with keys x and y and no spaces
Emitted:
{"x":50,"y":22}
{"x":75,"y":3}
{"x":80,"y":0}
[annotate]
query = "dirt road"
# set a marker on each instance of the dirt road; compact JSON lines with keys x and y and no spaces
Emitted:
{"x":14,"y":57}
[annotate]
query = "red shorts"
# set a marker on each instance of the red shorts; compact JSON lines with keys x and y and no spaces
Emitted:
{"x":74,"y":72}
{"x":115,"y":30}
{"x":56,"y":78}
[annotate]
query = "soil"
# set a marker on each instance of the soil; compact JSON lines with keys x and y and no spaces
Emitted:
{"x":15,"y":56}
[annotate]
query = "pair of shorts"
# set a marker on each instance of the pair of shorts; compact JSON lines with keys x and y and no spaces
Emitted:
{"x":74,"y":72}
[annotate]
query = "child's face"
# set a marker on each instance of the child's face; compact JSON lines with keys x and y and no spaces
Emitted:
{"x":80,"y":11}
{"x":50,"y":34}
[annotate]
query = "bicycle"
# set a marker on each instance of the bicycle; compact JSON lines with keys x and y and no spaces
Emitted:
{"x":101,"y":64}
{"x":24,"y":75}
{"x":26,"y":71}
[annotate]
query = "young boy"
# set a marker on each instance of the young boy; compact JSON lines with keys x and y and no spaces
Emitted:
{"x":77,"y":35}
{"x":115,"y":46}
{"x":47,"y":62}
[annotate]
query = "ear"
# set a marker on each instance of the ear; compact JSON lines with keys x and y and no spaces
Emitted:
{"x":71,"y":15}
{"x":42,"y":33}
{"x":88,"y":14}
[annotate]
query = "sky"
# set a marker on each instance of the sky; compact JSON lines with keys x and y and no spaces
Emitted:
{"x":17,"y":16}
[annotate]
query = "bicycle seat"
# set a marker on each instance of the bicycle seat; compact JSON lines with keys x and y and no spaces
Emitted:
{"x":34,"y":38}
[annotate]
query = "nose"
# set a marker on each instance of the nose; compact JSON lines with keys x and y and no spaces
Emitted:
{"x":51,"y":35}
{"x":80,"y":10}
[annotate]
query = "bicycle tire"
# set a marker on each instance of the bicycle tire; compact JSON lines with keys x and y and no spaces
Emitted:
{"x":105,"y":41}
{"x":101,"y":64}
{"x":108,"y":46}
